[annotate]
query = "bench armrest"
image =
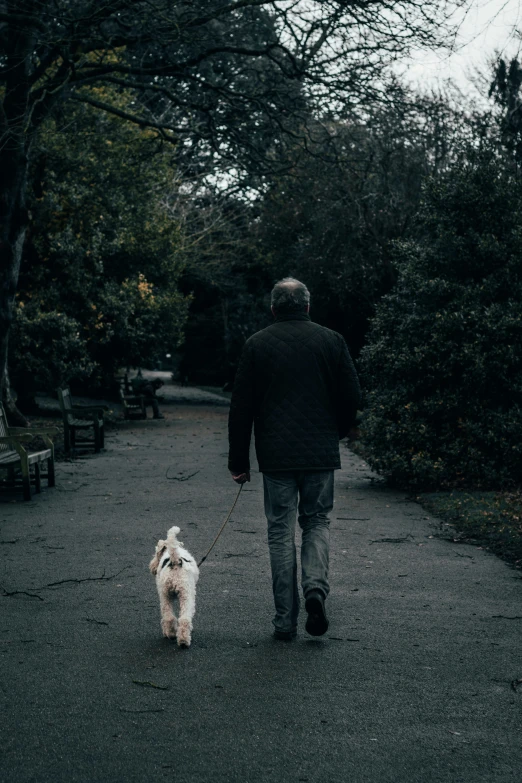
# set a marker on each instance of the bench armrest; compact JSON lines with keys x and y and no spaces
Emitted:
{"x":14,"y":440}
{"x":16,"y":444}
{"x":16,"y":431}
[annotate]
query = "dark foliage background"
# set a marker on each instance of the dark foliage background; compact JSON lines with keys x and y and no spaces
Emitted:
{"x":443,"y":363}
{"x":235,"y":89}
{"x":163,"y":164}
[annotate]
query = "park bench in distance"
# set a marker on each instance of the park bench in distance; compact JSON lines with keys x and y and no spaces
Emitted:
{"x":133,"y":404}
{"x":14,"y":457}
{"x":81,"y":419}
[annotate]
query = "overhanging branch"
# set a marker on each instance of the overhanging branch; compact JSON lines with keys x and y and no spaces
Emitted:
{"x":165,"y":129}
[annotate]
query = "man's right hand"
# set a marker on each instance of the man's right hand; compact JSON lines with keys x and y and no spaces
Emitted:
{"x":241,"y":478}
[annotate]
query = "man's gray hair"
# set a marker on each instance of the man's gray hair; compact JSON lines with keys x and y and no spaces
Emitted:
{"x":290,"y":296}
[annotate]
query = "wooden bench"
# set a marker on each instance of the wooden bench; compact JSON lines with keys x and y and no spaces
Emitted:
{"x":14,"y":457}
{"x":133,"y":404}
{"x":81,"y":419}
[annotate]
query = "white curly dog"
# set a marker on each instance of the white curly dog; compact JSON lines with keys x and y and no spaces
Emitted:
{"x":176,"y":574}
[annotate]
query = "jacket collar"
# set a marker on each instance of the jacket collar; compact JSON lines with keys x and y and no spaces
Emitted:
{"x":292,"y":317}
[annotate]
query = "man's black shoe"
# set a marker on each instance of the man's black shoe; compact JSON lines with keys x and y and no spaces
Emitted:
{"x":316,"y":624}
{"x":285,"y":636}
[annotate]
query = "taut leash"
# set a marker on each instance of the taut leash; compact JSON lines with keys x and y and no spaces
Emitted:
{"x":222,"y":526}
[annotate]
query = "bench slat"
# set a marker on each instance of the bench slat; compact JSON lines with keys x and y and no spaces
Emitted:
{"x":38,"y":456}
{"x":32,"y":457}
{"x":8,"y":459}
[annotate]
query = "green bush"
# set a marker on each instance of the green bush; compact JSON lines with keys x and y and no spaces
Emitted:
{"x":47,"y":350}
{"x":443,"y":365}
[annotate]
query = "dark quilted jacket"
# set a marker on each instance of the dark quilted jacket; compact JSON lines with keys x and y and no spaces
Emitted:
{"x":296,"y":382}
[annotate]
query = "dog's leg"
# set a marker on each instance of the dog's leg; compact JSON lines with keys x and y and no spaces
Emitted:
{"x":169,"y":623}
{"x":187,"y":608}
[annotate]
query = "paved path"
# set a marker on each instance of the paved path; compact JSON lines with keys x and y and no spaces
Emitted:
{"x":171,"y":393}
{"x":412,"y":684}
{"x":174,"y":393}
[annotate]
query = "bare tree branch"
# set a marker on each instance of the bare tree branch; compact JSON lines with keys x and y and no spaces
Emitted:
{"x":141,"y":121}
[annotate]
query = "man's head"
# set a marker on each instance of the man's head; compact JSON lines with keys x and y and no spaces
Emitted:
{"x":157,"y":383}
{"x":290,"y":296}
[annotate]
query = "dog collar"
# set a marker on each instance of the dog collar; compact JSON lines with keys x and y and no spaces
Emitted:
{"x":168,"y":562}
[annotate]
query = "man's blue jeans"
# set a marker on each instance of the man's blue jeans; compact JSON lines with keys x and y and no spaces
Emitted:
{"x":310,"y":493}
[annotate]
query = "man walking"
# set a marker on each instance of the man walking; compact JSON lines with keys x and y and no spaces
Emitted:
{"x":297,"y":384}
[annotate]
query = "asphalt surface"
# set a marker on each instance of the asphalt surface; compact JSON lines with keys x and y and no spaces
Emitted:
{"x":416,"y":680}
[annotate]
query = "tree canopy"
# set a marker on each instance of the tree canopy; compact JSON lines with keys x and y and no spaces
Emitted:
{"x":232,"y":80}
{"x":99,"y":282}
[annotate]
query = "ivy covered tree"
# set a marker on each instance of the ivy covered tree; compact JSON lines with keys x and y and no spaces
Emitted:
{"x":443,"y":365}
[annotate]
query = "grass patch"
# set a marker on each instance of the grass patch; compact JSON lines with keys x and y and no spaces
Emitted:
{"x":492,"y":520}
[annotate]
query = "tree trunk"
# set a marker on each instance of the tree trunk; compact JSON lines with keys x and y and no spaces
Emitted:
{"x":13,"y":227}
{"x":15,"y":132}
{"x":14,"y":416}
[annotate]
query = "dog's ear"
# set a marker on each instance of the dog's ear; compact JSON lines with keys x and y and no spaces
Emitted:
{"x":154,"y":563}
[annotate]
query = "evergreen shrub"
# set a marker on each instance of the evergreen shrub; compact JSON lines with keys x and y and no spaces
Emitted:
{"x":47,"y":351}
{"x":443,"y":364}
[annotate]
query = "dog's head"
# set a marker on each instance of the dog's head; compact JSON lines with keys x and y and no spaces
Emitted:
{"x":154,"y":563}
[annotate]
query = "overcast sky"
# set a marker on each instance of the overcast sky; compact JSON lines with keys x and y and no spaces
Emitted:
{"x":487,"y":26}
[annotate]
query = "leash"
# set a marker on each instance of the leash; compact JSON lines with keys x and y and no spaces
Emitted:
{"x":222,"y":526}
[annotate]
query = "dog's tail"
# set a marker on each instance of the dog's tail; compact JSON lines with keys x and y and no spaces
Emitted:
{"x":172,"y":540}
